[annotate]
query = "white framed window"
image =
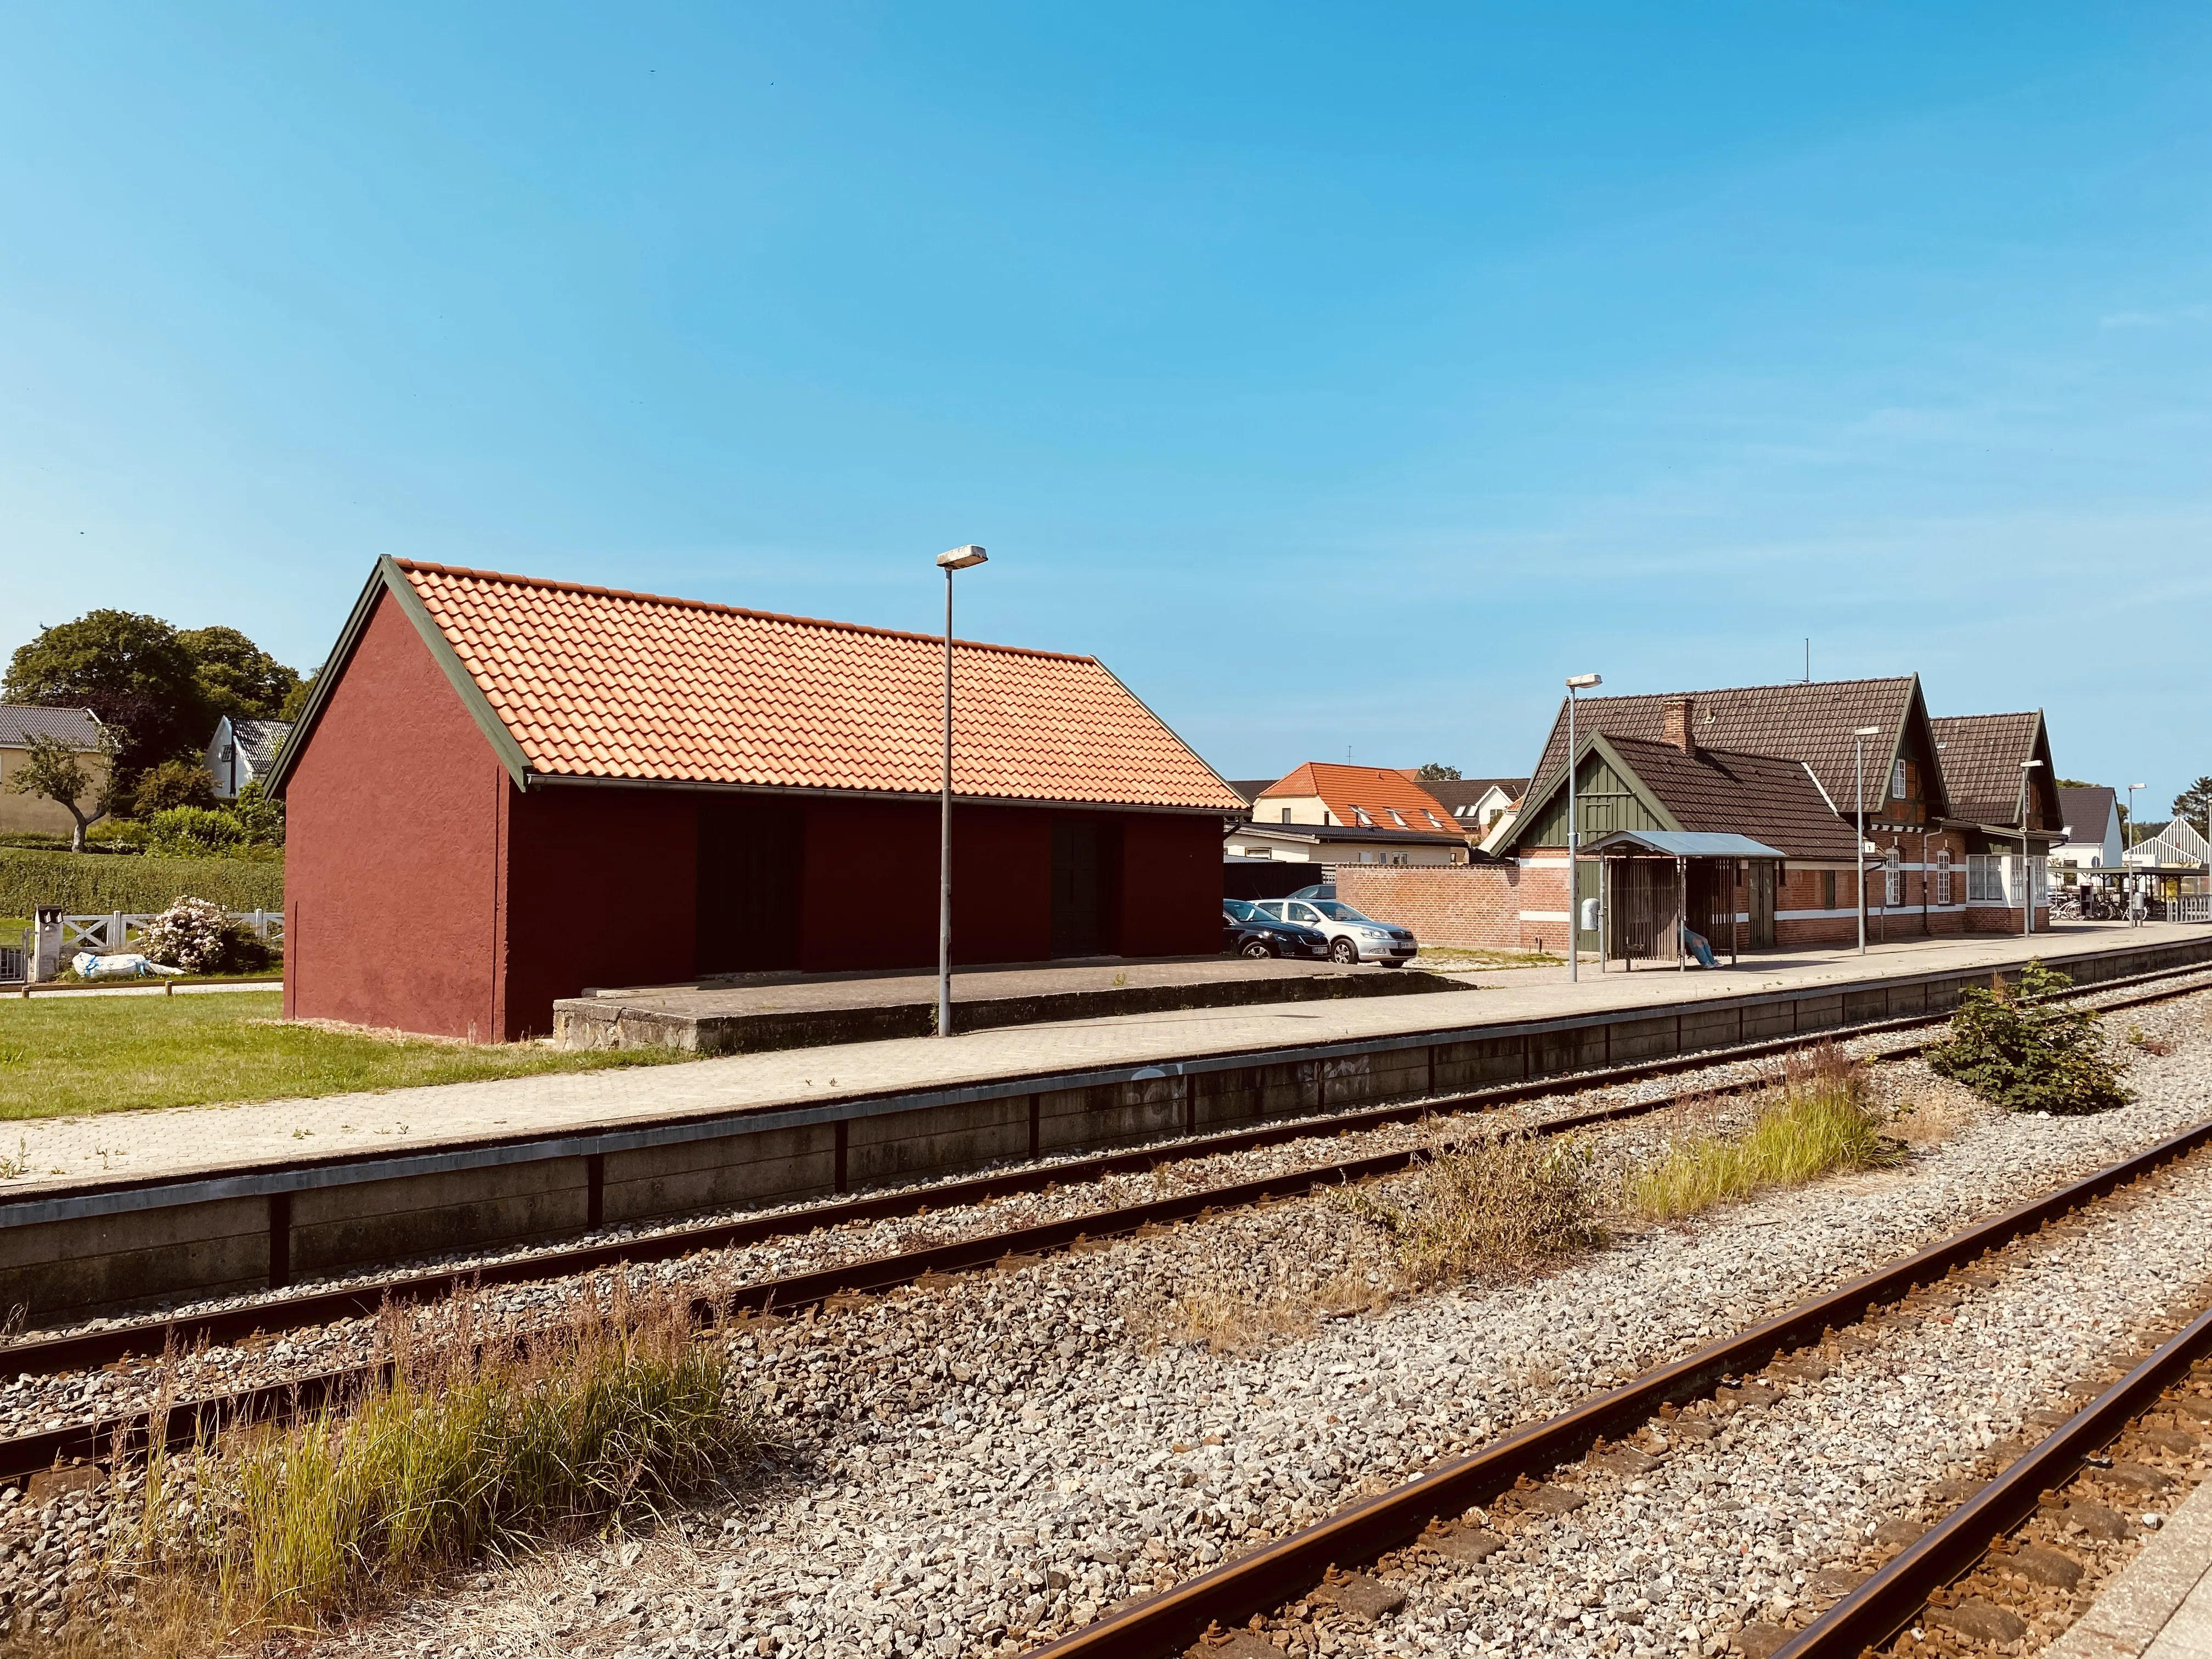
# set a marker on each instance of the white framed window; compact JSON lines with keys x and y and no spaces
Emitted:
{"x":1985,"y":883}
{"x":1893,"y":880}
{"x":1943,"y":877}
{"x":1897,"y":780}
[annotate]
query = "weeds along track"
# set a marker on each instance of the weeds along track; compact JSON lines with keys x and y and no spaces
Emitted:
{"x":282,"y":1376}
{"x":1532,"y":1496}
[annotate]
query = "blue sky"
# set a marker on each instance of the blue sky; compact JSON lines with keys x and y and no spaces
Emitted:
{"x":1343,"y":376}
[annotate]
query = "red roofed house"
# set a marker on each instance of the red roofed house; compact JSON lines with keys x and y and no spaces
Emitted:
{"x":504,"y":791}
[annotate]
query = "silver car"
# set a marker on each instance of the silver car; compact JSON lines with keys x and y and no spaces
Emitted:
{"x":1351,"y":937}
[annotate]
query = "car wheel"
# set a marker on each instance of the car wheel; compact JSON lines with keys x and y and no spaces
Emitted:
{"x":1257,"y":950}
{"x":1343,"y":950}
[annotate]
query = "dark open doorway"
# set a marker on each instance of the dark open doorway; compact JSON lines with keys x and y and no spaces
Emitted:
{"x":1085,"y":867}
{"x":752,"y":855}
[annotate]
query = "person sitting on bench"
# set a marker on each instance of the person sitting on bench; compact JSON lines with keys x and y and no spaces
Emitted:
{"x":1697,"y":945}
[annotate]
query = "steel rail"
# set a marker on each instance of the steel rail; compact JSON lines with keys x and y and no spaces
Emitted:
{"x":1878,"y":1610}
{"x":107,"y":1345}
{"x":1278,"y":1572}
{"x":149,"y":1337}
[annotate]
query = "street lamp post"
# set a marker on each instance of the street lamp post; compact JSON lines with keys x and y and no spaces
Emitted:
{"x":1576,"y":683}
{"x":959,"y":558}
{"x":1858,"y":748}
{"x":2027,"y":870}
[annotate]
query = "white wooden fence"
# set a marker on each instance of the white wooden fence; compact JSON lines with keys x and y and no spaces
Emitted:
{"x":116,"y":932}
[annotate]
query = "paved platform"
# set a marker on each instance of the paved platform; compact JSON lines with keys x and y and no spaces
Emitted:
{"x":2160,"y":1605}
{"x":805,"y":1011}
{"x":63,"y":1154}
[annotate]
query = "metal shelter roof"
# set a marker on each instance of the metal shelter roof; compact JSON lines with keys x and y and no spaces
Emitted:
{"x":1687,"y":844}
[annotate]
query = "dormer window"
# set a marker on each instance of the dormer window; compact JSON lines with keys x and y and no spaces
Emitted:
{"x":1397,"y":817}
{"x":1360,"y":815}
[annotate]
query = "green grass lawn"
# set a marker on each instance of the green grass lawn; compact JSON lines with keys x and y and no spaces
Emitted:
{"x":60,"y":1056}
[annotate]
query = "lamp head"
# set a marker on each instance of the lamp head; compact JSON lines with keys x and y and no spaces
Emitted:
{"x":961,"y":558}
{"x":1583,"y":682}
{"x":1867,"y":731}
{"x":2026,"y":764}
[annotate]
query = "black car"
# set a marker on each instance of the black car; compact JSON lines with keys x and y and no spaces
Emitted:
{"x":1248,"y":932}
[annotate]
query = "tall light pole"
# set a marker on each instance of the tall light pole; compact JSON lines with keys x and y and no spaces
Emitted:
{"x":2131,"y":820}
{"x":2027,"y":870}
{"x":960,"y":558}
{"x":1575,"y":683}
{"x":1858,"y":851}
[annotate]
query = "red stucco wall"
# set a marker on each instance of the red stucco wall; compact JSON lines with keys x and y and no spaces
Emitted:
{"x":601,"y":890}
{"x":1170,"y":885}
{"x":393,"y":859}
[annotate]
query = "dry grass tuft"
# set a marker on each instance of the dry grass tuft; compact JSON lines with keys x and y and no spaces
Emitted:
{"x":473,"y":1444}
{"x":1495,"y":1207}
{"x":1228,"y":1318}
{"x":1819,"y":1122}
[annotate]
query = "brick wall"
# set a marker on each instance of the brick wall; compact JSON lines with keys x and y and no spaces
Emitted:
{"x":1476,"y":907}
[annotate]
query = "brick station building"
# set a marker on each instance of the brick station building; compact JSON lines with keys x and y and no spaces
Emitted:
{"x":1943,"y":802}
{"x":505,"y":790}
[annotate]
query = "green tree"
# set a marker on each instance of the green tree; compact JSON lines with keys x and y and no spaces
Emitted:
{"x":173,"y":783}
{"x":61,"y":775}
{"x":131,"y":671}
{"x":236,"y":677}
{"x":1437,"y":772}
{"x":2192,"y":802}
{"x":295,"y":701}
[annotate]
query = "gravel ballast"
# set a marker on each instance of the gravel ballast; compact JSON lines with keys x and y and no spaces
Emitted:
{"x":998,"y":1458}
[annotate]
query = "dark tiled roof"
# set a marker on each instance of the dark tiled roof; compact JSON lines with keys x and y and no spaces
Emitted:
{"x":1808,"y":721}
{"x":20,"y":723}
{"x":1770,"y":798}
{"x":259,"y":741}
{"x":1981,"y":756}
{"x":1248,"y":787}
{"x":2088,"y":813}
{"x":1458,"y":792}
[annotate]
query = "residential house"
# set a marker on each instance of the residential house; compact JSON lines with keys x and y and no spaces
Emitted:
{"x":76,"y":730}
{"x":242,"y":751}
{"x":1330,"y":814}
{"x":1478,"y":803}
{"x":503,"y":790}
{"x":2003,"y":789}
{"x":2093,"y":840}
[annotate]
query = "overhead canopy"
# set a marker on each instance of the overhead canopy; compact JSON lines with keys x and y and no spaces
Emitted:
{"x":1687,"y":844}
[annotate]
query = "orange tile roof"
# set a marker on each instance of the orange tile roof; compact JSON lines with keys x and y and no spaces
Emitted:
{"x":1378,"y":789}
{"x":596,"y":683}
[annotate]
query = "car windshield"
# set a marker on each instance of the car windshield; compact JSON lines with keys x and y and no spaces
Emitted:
{"x":1337,"y":910}
{"x":1240,"y":910}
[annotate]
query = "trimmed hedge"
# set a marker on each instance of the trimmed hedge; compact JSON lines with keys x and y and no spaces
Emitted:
{"x":93,"y":883}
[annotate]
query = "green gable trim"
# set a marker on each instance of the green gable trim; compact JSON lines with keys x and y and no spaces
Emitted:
{"x":388,"y":578}
{"x":1611,"y":797}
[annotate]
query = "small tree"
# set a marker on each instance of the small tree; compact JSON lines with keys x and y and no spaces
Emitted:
{"x":2028,"y":1054}
{"x":1437,"y":772}
{"x":2192,"y":802}
{"x":59,"y":773}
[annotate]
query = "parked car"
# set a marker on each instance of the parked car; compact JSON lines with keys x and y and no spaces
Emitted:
{"x":1351,"y":937}
{"x":1246,"y":930}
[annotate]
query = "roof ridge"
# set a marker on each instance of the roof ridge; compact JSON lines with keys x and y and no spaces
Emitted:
{"x":412,"y":565}
{"x":1769,"y":685}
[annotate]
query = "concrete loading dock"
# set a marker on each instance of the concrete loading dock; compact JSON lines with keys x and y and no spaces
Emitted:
{"x":216,"y":1223}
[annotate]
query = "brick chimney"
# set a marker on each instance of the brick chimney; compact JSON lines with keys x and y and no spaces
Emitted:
{"x":1679,"y":732}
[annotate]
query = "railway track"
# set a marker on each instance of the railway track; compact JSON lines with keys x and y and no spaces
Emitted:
{"x":23,"y":1456}
{"x":117,"y":1340}
{"x":1278,"y":1573}
{"x":1890,"y":1601}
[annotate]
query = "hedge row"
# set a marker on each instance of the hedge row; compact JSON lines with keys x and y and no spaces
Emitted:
{"x":91,"y":884}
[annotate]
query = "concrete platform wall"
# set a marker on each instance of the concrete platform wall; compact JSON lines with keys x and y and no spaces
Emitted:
{"x":111,"y":1249}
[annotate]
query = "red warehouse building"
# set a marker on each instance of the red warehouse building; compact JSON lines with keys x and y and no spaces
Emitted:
{"x":504,"y":791}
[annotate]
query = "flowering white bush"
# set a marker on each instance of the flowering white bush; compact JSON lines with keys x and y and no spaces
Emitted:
{"x":191,"y":934}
